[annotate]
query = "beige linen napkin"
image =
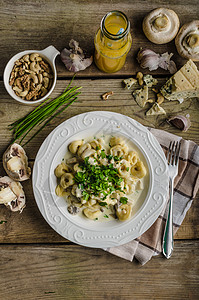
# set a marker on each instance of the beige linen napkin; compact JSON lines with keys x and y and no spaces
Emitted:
{"x":186,"y":186}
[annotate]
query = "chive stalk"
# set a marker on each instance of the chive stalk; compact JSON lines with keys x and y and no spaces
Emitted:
{"x":45,"y":112}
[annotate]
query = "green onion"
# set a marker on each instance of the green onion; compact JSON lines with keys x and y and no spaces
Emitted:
{"x":44,"y":112}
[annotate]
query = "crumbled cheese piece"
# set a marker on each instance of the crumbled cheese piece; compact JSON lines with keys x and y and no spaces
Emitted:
{"x":129,"y":82}
{"x":183,"y":84}
{"x":149,"y":80}
{"x":156,"y":109}
{"x":141,"y":96}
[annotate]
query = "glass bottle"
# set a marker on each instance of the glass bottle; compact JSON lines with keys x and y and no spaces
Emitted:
{"x":112,"y":42}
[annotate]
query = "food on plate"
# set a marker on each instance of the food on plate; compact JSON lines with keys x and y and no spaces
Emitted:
{"x":149,"y":59}
{"x":181,"y":122}
{"x":187,"y":40}
{"x":129,"y":82}
{"x":141,"y":96}
{"x":107,"y":95}
{"x":100,"y":178}
{"x":112,"y":42}
{"x":149,"y":80}
{"x":156,"y":109}
{"x":183,"y":84}
{"x":15,"y":163}
{"x":161,"y":25}
{"x":12,"y":194}
{"x":31,"y":77}
{"x":139,"y":77}
{"x":75,"y":58}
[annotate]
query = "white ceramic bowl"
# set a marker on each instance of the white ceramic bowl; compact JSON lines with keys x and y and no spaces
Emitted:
{"x":49,"y":54}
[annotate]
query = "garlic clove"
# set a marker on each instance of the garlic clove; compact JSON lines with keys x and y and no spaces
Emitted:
{"x":181,"y":122}
{"x":149,"y":59}
{"x":75,"y":59}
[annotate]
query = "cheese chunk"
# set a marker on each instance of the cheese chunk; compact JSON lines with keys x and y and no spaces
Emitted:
{"x":129,"y":82}
{"x":141,"y":96}
{"x":183,"y":84}
{"x":156,"y":109}
{"x":149,"y":80}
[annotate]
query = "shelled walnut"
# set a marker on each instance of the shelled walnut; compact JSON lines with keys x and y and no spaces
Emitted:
{"x":31,"y":77}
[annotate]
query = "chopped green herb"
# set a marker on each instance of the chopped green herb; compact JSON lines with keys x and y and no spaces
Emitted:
{"x":123,"y":200}
{"x":103,"y":154}
{"x":102,"y":203}
{"x":105,"y":216}
{"x":127,"y":169}
{"x":97,"y":148}
{"x":97,"y":179}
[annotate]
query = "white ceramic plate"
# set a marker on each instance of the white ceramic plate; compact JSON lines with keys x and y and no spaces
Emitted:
{"x":81,"y":230}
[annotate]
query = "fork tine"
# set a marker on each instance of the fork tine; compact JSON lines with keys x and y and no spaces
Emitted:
{"x":172,"y":152}
{"x":178,"y":154}
{"x":175,"y":154}
{"x":169,"y":149}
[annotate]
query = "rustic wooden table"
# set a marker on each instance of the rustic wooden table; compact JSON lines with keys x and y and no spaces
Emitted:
{"x":37,"y":263}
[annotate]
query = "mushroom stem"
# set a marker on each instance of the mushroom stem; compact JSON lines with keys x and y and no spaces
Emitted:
{"x":193,"y":40}
{"x":161,"y":22}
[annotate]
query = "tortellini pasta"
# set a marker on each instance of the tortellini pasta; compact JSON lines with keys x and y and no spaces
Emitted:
{"x":100,"y":177}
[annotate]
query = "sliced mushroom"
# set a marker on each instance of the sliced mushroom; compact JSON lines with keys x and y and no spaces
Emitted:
{"x":161,"y":25}
{"x":15,"y":163}
{"x":73,"y":210}
{"x":12,"y":194}
{"x":187,"y":41}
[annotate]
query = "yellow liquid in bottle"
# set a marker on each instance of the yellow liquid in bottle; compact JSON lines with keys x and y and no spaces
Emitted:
{"x":110,"y":54}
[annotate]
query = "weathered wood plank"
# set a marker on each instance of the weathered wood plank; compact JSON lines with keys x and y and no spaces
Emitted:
{"x":90,"y":100}
{"x":36,"y":25}
{"x":73,"y":272}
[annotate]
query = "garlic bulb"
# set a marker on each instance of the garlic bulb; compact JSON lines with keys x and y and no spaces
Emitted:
{"x":181,"y":122}
{"x":149,"y":59}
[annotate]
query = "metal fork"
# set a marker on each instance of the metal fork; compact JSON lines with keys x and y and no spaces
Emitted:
{"x":173,"y":159}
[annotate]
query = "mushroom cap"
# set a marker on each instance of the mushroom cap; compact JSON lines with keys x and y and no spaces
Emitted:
{"x":185,"y":39}
{"x":161,"y":25}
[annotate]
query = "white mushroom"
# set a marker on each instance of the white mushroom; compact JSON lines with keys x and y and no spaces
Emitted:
{"x":12,"y":194}
{"x":15,"y":163}
{"x":161,"y":25}
{"x":187,"y":41}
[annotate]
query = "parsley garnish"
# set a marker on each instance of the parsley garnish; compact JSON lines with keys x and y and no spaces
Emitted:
{"x":123,"y":200}
{"x":103,"y":154}
{"x":97,"y":179}
{"x":105,"y":216}
{"x":102,"y":203}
